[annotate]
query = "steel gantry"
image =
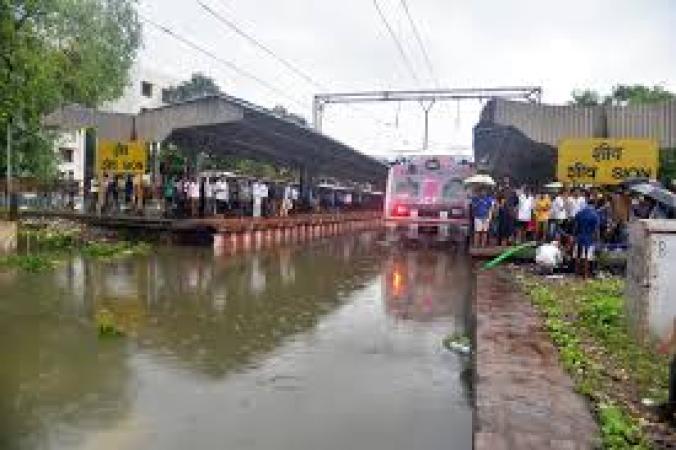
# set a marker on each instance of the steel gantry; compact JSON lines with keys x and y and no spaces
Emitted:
{"x":425,"y":97}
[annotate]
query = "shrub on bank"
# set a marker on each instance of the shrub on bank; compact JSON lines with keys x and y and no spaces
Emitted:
{"x":586,"y":322}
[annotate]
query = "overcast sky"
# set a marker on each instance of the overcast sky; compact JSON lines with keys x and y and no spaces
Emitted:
{"x":344,"y":46}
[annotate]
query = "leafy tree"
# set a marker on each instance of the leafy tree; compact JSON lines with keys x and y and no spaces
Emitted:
{"x":586,"y":97}
{"x":199,"y":85}
{"x":638,"y":94}
{"x":622,"y":94}
{"x":54,"y":52}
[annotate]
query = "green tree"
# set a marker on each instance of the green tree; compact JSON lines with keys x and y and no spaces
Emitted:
{"x":54,"y":52}
{"x":586,"y":97}
{"x":622,"y":94}
{"x":639,"y":95}
{"x":199,"y":85}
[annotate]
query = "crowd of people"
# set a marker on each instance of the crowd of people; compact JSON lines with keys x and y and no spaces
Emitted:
{"x":578,"y":221}
{"x":210,"y":195}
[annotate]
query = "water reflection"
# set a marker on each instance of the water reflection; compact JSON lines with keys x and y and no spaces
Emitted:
{"x":198,"y":322}
{"x":423,"y":286}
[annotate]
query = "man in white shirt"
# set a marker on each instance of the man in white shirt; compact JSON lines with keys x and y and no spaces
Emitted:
{"x":209,"y":197}
{"x":194,"y":196}
{"x":558,"y":215}
{"x":222,"y":195}
{"x":524,"y":213}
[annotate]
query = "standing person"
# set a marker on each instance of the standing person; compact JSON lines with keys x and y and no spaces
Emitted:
{"x":558,"y":217}
{"x":543,"y":210}
{"x":286,"y":201}
{"x":603,"y":210}
{"x":482,"y":206}
{"x":586,"y":232}
{"x":620,"y":210}
{"x":112,"y":188}
{"x":505,"y":221}
{"x":128,"y":191}
{"x":222,"y":195}
{"x":168,"y":192}
{"x":524,"y":213}
{"x":194,"y":197}
{"x":138,"y":193}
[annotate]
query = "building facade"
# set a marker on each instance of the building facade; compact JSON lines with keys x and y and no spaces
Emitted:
{"x":145,"y":90}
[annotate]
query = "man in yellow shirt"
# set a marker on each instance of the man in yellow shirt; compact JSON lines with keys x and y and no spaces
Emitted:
{"x":543,"y":210}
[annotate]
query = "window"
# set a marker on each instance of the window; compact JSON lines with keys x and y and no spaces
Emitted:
{"x":66,"y":155}
{"x":453,"y":189}
{"x":146,"y":89}
{"x":408,"y":187}
{"x":166,"y":96}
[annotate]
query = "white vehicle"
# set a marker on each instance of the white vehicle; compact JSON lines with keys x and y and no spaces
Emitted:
{"x":427,"y":193}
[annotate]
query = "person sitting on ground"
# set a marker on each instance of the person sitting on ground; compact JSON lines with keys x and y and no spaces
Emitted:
{"x":482,"y":205}
{"x":548,"y":257}
{"x":587,"y":224}
{"x":543,"y":208}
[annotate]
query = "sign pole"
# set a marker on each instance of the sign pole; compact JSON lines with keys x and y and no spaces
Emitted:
{"x":9,"y":160}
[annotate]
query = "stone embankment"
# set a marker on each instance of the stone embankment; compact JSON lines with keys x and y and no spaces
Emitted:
{"x":523,"y":398}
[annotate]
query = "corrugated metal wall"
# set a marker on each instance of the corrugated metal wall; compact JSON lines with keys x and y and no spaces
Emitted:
{"x":644,"y":121}
{"x":550,"y":124}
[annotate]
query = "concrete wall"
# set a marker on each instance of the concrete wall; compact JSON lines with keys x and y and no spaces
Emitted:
{"x":650,"y":296}
{"x":114,"y":126}
{"x":157,"y":124}
{"x":8,"y":232}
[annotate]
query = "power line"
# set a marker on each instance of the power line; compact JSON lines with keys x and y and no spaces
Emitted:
{"x":225,"y":62}
{"x":397,"y":42}
{"x":418,"y":38}
{"x":267,"y":50}
{"x":234,"y":27}
{"x":243,"y":72}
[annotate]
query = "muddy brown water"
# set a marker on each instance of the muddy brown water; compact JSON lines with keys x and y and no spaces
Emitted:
{"x":334,"y":344}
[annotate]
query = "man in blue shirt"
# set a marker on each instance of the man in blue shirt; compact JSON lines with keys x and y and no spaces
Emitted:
{"x":587,"y":225}
{"x":482,"y":208}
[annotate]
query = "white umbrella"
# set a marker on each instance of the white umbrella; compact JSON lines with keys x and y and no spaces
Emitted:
{"x":480,"y":179}
{"x":554,"y":185}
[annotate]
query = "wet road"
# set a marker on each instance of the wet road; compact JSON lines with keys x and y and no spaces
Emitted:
{"x":330,"y":345}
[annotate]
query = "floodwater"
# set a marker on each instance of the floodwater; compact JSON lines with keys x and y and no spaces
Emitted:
{"x":334,"y":344}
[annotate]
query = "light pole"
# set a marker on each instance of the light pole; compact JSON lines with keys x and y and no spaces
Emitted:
{"x":9,"y":164}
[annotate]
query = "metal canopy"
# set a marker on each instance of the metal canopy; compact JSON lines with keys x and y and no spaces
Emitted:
{"x":223,"y":124}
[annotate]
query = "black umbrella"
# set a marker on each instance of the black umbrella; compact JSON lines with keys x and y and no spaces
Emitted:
{"x":657,"y":193}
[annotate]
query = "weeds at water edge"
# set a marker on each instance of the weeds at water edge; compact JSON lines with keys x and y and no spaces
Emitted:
{"x":586,"y":322}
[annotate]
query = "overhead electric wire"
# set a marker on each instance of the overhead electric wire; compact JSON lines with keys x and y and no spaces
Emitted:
{"x":234,"y":27}
{"x":418,"y":38}
{"x":267,"y":50}
{"x":223,"y":61}
{"x":397,"y":42}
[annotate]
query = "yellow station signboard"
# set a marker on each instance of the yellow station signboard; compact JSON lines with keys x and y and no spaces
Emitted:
{"x":121,"y":157}
{"x":606,"y":161}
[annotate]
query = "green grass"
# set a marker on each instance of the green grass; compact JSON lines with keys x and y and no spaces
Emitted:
{"x":29,"y":263}
{"x":106,"y":326}
{"x":586,"y":322}
{"x":49,"y":240}
{"x":114,"y":249}
{"x":43,"y":249}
